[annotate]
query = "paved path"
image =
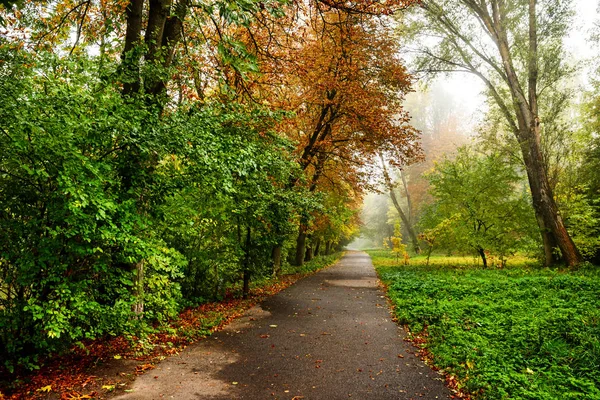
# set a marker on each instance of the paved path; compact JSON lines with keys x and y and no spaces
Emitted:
{"x":328,"y":337}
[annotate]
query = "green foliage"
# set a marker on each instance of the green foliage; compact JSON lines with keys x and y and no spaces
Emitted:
{"x":479,"y":205}
{"x":512,"y":333}
{"x":398,"y":248}
{"x":68,"y":233}
{"x":109,"y":203}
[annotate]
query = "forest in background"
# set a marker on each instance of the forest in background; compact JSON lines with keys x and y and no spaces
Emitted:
{"x":156,"y":153}
{"x":473,"y":193}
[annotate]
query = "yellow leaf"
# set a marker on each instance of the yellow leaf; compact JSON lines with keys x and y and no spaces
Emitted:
{"x":46,"y":389}
{"x":470,"y":364}
{"x":108,"y":387}
{"x":117,"y":357}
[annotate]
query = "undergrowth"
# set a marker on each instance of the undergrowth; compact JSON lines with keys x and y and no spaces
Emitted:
{"x":513,"y":333}
{"x":62,"y":374}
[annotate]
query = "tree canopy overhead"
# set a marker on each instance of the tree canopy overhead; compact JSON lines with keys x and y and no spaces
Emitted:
{"x":160,"y":152}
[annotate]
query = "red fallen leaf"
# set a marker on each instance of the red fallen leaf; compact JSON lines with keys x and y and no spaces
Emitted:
{"x":264,"y":336}
{"x":88,"y":380}
{"x":400,"y":356}
{"x":144,"y":367}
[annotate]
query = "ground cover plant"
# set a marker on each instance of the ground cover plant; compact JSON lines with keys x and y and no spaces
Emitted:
{"x":521,"y":332}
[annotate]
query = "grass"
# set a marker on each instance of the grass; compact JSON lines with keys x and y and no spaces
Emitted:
{"x":522,"y":332}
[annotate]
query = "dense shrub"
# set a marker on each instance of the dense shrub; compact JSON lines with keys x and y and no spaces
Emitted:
{"x":109,"y":202}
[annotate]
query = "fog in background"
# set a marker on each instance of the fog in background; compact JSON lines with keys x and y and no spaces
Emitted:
{"x":448,"y":111}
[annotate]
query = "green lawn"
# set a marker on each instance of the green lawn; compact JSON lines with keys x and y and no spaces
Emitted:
{"x":516,"y":333}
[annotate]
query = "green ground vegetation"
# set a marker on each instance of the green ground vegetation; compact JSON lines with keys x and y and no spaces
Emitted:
{"x":520,"y":332}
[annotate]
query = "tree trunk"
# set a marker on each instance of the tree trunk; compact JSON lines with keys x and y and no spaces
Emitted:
{"x":246,"y":287}
{"x":309,"y":253}
{"x":483,"y":257}
{"x":276,"y":258}
{"x":158,"y":11}
{"x":528,"y":134}
{"x":130,"y":63}
{"x":317,"y":247}
{"x":549,"y":220}
{"x":409,"y":204}
{"x":171,"y":37}
{"x":548,"y":241}
{"x":429,"y":253}
{"x":138,"y":306}
{"x":405,"y":220}
{"x":328,"y":247}
{"x":300,"y":247}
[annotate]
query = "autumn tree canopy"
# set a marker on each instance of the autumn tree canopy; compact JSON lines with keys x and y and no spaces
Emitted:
{"x":155,"y":153}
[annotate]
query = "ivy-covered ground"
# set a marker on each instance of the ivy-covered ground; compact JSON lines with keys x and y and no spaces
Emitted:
{"x":99,"y":368}
{"x":521,"y":332}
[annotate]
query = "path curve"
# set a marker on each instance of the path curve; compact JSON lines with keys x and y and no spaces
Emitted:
{"x":329,"y":336}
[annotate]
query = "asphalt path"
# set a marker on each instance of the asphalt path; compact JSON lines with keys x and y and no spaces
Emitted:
{"x":329,"y":336}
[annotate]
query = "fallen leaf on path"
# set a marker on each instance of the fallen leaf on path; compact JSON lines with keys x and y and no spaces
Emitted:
{"x":77,"y":396}
{"x":144,"y":367}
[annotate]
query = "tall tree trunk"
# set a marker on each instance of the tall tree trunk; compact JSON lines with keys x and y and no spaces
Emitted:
{"x":317,"y":247}
{"x":276,"y":259}
{"x":158,"y":11}
{"x":300,"y":246}
{"x":309,"y":252}
{"x":138,"y":306}
{"x":405,"y":220}
{"x":409,"y":204}
{"x":328,"y":247}
{"x":172,"y":33}
{"x":246,"y":267}
{"x":130,"y":63}
{"x":483,"y":257}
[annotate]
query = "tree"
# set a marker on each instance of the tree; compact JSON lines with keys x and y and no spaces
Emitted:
{"x":346,"y":86}
{"x":477,"y":198}
{"x":406,"y":217}
{"x":526,"y":61}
